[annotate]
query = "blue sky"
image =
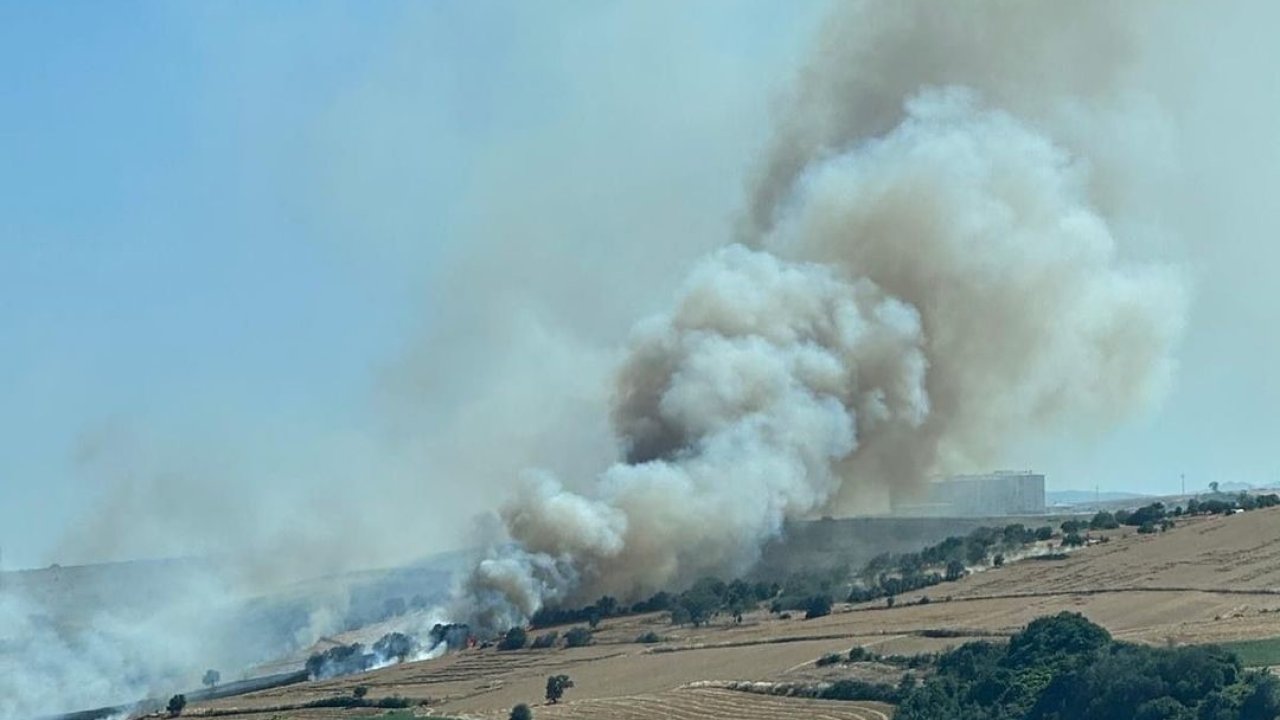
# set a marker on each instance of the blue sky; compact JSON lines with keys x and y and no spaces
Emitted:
{"x":155,"y":264}
{"x":236,"y":240}
{"x":220,"y":222}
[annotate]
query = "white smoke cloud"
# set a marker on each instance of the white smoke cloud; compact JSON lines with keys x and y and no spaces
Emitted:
{"x":935,"y":260}
{"x":735,"y":408}
{"x":929,"y":283}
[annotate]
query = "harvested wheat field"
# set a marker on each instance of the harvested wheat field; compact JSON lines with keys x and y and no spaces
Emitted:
{"x":1208,"y":579}
{"x":700,"y":703}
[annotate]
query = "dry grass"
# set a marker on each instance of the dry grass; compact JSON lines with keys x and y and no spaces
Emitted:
{"x":1207,"y":580}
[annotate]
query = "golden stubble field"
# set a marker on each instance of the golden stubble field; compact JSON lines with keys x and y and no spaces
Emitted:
{"x":1208,"y":579}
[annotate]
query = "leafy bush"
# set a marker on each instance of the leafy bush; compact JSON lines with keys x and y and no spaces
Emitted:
{"x":859,"y":690}
{"x":176,"y":705}
{"x":649,"y":638}
{"x":1072,"y":526}
{"x":828,"y":659}
{"x":1152,"y":513}
{"x":521,"y":712}
{"x":339,"y":660}
{"x":1072,"y":540}
{"x":356,"y":700}
{"x":817,"y":606}
{"x":1104,"y":521}
{"x":395,"y":645}
{"x":1066,"y":668}
{"x":1044,"y":533}
{"x":860,"y":654}
{"x":556,"y":685}
{"x":515,"y":639}
{"x":545,"y":640}
{"x":577,"y":637}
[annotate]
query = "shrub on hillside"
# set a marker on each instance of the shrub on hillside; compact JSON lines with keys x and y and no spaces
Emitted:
{"x":860,"y":690}
{"x":817,"y":606}
{"x":395,"y":645}
{"x":339,"y":660}
{"x":1066,"y":668}
{"x":828,"y":659}
{"x":1152,"y":513}
{"x":515,"y":639}
{"x":545,"y":640}
{"x":577,"y":637}
{"x":556,"y":685}
{"x":1072,"y":526}
{"x":1104,"y":521}
{"x":860,"y":654}
{"x":1072,"y":540}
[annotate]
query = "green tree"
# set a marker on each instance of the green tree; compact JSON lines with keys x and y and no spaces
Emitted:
{"x":515,"y":639}
{"x":211,"y":678}
{"x":176,"y":705}
{"x":1104,"y":521}
{"x":545,"y":640}
{"x":577,"y":637}
{"x":556,"y":685}
{"x":521,"y":712}
{"x":680,"y":615}
{"x":1163,"y":708}
{"x":817,"y":606}
{"x":607,"y":605}
{"x":1263,"y":703}
{"x":699,"y":606}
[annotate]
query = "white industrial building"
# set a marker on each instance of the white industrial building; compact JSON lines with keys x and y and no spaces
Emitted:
{"x":993,"y":494}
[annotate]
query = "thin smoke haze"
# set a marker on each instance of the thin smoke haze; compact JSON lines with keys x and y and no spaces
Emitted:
{"x":930,"y":274}
{"x":965,"y":229}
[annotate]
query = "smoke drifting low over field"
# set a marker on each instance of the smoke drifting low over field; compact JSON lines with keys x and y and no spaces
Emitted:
{"x":955,"y":239}
{"x":930,"y":269}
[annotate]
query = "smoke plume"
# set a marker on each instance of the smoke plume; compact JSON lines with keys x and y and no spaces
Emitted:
{"x":929,"y":271}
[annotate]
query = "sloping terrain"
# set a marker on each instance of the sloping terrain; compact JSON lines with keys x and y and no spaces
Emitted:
{"x":1208,"y":579}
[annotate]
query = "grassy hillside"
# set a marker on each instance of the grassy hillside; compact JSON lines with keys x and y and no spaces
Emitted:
{"x":1209,"y":579}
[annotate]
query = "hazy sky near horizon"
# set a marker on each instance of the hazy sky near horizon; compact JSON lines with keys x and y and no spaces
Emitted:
{"x":220,"y":223}
{"x":223,"y":225}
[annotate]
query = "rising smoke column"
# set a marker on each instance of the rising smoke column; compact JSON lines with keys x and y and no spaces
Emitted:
{"x":929,"y":274}
{"x":737,"y":407}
